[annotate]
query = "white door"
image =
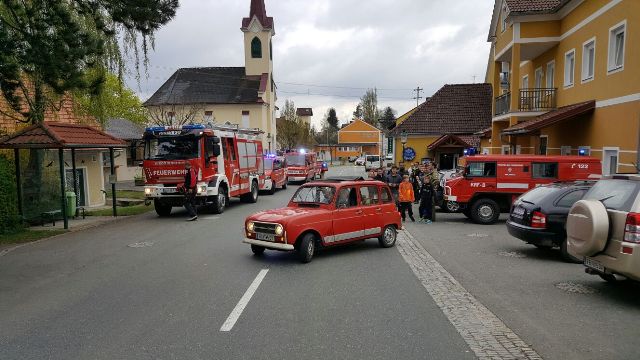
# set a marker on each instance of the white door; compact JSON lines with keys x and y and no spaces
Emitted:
{"x":610,"y":161}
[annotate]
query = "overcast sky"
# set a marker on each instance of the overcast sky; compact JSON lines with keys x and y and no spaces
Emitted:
{"x":345,"y":45}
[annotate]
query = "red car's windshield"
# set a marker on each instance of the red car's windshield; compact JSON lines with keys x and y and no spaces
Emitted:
{"x":314,"y":195}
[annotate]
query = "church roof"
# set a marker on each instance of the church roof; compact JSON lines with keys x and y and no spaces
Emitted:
{"x":259,"y":10}
{"x":208,"y":85}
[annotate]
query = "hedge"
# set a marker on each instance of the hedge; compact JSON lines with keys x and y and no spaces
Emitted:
{"x":10,"y":221}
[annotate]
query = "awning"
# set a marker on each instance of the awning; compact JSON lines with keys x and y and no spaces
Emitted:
{"x":551,"y":118}
{"x":456,"y":141}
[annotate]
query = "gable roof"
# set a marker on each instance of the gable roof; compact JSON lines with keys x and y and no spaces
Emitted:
{"x":523,"y":7}
{"x":454,"y":109}
{"x":359,"y":124}
{"x":124,"y":129}
{"x":208,"y":85}
{"x":304,"y":112}
{"x":54,"y":135}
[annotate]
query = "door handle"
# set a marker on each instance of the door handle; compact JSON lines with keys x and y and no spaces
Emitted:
{"x":378,"y":209}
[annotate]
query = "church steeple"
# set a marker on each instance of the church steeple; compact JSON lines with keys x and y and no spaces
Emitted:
{"x":258,"y":30}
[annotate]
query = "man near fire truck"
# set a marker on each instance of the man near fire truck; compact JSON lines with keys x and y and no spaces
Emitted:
{"x":190,"y":180}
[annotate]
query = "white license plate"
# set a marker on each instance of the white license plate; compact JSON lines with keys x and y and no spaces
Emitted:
{"x":169,"y":191}
{"x":593,"y":264}
{"x":265,"y":237}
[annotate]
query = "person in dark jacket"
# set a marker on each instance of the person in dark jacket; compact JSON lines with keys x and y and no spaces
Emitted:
{"x":190,"y":181}
{"x":427,"y":193}
{"x":416,"y":180}
{"x":393,"y":180}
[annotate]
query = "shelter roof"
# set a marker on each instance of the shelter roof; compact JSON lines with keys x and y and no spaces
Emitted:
{"x":53,"y":135}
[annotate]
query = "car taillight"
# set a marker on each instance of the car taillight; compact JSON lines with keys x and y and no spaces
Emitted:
{"x":632,"y":228}
{"x":538,"y":220}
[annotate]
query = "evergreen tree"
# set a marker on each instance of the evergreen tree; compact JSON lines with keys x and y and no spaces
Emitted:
{"x":388,"y":118}
{"x":332,"y":119}
{"x":358,"y":114}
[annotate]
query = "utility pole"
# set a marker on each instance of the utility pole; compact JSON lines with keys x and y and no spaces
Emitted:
{"x":418,"y":97}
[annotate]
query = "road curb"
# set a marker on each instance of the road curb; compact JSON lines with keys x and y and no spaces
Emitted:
{"x":482,"y":330}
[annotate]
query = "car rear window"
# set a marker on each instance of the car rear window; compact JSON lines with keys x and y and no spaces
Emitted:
{"x":571,"y":198}
{"x":536,"y":195}
{"x":615,"y":194}
{"x":373,"y":158}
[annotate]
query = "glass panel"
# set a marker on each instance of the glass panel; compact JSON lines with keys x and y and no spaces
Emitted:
{"x":369,"y":195}
{"x":386,"y":196}
{"x":615,"y":194}
{"x":347,"y":198}
{"x":571,"y":198}
{"x":172,"y":148}
{"x":619,"y":49}
{"x":482,"y":169}
{"x":544,"y":170}
{"x":296,"y":160}
{"x":314,"y":195}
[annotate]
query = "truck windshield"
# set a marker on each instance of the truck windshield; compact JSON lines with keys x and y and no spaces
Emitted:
{"x":172,"y":148}
{"x":296,"y":160}
{"x":268,"y":163}
{"x":314,"y":195}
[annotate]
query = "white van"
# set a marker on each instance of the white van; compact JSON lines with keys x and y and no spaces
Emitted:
{"x":372,"y":162}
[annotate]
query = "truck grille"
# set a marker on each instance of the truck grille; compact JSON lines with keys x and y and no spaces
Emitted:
{"x":264,"y":228}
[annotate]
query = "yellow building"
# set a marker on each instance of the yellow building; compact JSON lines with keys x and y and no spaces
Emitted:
{"x":444,"y":126}
{"x":565,"y":78}
{"x":245,"y":96}
{"x":358,"y":138}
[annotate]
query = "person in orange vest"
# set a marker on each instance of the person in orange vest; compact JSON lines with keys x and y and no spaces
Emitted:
{"x":406,"y":196}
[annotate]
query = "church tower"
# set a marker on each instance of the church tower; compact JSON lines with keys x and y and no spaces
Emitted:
{"x":258,"y":30}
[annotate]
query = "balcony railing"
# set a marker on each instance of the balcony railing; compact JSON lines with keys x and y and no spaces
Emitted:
{"x":530,"y":100}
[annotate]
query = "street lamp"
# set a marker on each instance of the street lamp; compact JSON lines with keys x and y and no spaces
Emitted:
{"x":403,"y":140}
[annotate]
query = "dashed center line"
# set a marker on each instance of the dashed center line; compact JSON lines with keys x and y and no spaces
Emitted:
{"x":237,"y":311}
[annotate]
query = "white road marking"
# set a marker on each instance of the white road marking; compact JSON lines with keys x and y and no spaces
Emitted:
{"x":237,"y":311}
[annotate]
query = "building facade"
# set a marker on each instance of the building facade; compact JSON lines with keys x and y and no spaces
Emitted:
{"x":245,"y":96}
{"x":565,"y":76}
{"x":358,"y":138}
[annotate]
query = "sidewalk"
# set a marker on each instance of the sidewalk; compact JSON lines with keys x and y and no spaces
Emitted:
{"x":76,"y":224}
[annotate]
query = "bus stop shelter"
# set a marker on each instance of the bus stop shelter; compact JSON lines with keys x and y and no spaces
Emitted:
{"x":62,"y":136}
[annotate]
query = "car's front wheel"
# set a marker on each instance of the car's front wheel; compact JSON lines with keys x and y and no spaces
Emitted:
{"x":306,"y":249}
{"x":388,"y":237}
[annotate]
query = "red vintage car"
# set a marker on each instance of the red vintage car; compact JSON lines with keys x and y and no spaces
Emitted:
{"x":326,"y":213}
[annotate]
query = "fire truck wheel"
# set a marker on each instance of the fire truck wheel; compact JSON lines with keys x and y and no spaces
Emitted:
{"x":272,"y":190}
{"x":257,"y":250}
{"x":220,"y":202}
{"x":251,"y":197}
{"x":388,"y":237}
{"x":485,"y":211}
{"x":306,"y":248}
{"x":161,"y":209}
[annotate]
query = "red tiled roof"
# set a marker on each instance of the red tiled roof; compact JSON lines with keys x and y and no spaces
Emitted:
{"x":454,"y":109}
{"x":53,"y":135}
{"x":260,"y":11}
{"x":551,"y":118}
{"x":535,"y":6}
{"x":484,"y":132}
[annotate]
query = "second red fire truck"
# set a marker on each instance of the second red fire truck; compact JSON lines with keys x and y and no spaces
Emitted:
{"x":228,"y":161}
{"x":301,"y":166}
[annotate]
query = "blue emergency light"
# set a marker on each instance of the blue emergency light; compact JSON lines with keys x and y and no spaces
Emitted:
{"x":193,"y":127}
{"x":582,"y":152}
{"x":303,"y":151}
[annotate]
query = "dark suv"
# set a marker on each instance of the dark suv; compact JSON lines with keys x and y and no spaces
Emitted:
{"x":539,"y":216}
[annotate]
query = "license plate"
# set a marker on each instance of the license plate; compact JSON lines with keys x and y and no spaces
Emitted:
{"x":593,"y":264}
{"x":518,"y":213}
{"x":265,"y":237}
{"x":169,"y":191}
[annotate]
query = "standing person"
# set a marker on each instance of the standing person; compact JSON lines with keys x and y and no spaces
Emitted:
{"x":393,"y":180}
{"x":380,"y":174}
{"x":433,"y":177}
{"x":406,"y":196}
{"x":416,"y":179}
{"x":426,"y":200}
{"x":190,"y":180}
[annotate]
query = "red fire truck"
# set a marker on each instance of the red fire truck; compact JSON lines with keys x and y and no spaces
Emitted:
{"x":228,"y":161}
{"x":490,"y":183}
{"x":301,"y":166}
{"x":275,"y":174}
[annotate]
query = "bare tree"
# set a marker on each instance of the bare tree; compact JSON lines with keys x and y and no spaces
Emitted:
{"x":175,"y":114}
{"x":369,"y":104}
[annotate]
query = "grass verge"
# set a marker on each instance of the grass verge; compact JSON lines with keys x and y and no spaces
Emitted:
{"x":122,"y":211}
{"x":125,"y":194}
{"x":28,"y":236}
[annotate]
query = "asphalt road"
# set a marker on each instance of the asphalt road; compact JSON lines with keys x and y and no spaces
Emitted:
{"x":151,"y":288}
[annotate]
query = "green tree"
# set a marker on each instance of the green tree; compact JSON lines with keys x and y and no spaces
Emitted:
{"x":51,"y":48}
{"x":332,"y":119}
{"x":369,"y":104}
{"x":292,"y":131}
{"x":358,"y":114}
{"x":115,"y":101}
{"x":388,"y":118}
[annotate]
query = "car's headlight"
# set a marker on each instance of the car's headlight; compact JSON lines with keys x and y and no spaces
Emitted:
{"x":250,"y":226}
{"x":148,"y":191}
{"x":202,"y":189}
{"x":279,"y":230}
